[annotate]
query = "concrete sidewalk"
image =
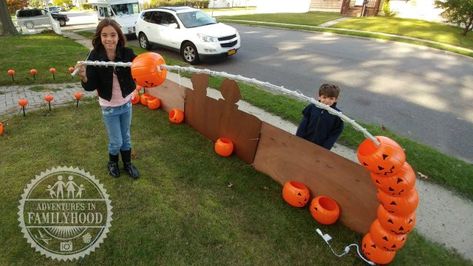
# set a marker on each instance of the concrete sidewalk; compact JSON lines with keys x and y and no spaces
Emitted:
{"x":9,"y":96}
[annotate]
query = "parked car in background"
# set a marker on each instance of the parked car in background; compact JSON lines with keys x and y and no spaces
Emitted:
{"x":187,"y":30}
{"x":54,"y":9}
{"x":30,"y":18}
{"x":124,"y":12}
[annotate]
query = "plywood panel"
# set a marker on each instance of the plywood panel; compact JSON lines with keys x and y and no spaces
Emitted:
{"x":170,"y":93}
{"x":285,"y":157}
{"x":221,"y":118}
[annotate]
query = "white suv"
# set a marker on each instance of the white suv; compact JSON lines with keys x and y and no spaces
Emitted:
{"x":188,"y":30}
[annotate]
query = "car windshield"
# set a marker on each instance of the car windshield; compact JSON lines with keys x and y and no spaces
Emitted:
{"x":195,"y":19}
{"x":126,"y":9}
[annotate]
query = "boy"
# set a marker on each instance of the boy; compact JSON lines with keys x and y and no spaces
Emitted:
{"x":317,"y":125}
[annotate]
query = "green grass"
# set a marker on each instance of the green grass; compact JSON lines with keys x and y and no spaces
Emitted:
{"x":311,"y":18}
{"x":42,"y":88}
{"x":41,"y":51}
{"x":87,"y":34}
{"x":412,"y":28}
{"x":181,"y":211}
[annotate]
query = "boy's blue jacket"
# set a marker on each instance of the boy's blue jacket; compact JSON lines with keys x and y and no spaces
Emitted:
{"x":320,"y":127}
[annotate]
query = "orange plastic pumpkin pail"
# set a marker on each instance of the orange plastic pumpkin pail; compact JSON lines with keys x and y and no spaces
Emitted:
{"x":374,"y":253}
{"x":144,"y":99}
{"x":146,"y":70}
{"x":385,"y":159}
{"x":176,"y":116}
{"x":397,"y":185}
{"x":396,"y":224}
{"x":325,"y":210}
{"x":295,"y":193}
{"x":385,"y":239}
{"x":154,"y":103}
{"x":223,"y":147}
{"x":399,"y":206}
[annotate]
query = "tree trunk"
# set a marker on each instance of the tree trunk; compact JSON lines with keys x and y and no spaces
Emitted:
{"x":468,"y":26}
{"x":6,"y":24}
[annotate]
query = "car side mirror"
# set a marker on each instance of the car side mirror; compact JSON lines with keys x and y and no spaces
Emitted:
{"x":174,"y":26}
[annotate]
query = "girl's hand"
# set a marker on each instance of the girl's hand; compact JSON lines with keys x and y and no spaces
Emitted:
{"x":82,"y":72}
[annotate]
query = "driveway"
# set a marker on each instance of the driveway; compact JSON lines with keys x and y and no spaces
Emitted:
{"x":420,"y":93}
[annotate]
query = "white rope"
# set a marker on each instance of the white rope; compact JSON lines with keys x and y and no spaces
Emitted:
{"x":268,"y":85}
{"x":327,"y":238}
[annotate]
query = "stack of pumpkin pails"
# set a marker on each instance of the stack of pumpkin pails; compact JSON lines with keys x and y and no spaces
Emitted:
{"x":395,"y":182}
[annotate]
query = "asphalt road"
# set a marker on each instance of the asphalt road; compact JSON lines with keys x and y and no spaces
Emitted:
{"x":420,"y":93}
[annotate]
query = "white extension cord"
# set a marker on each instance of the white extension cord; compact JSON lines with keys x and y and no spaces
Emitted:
{"x":327,"y":238}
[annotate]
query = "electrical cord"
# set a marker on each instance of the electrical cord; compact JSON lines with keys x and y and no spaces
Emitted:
{"x":327,"y":238}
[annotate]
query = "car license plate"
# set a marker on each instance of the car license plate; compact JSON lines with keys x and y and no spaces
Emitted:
{"x":231,"y":52}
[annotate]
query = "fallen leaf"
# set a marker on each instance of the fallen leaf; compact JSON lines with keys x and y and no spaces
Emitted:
{"x":422,"y":175}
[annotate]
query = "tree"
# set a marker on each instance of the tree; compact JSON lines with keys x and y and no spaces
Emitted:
{"x":459,"y":12}
{"x":14,"y":5}
{"x":6,"y":24}
{"x":64,"y":3}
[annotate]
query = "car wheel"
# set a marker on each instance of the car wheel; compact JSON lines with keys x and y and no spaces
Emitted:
{"x":29,"y":25}
{"x":189,"y":53}
{"x":62,"y":22}
{"x":143,"y":40}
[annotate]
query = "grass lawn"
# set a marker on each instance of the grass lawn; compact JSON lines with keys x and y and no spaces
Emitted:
{"x":411,"y":27}
{"x":311,"y":18}
{"x":41,"y":51}
{"x":189,"y":207}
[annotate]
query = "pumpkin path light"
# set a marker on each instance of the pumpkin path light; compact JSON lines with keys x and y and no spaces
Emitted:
{"x":23,"y":102}
{"x":78,"y":95}
{"x":52,"y":70}
{"x":33,"y":72}
{"x":11,"y":73}
{"x":49,"y":98}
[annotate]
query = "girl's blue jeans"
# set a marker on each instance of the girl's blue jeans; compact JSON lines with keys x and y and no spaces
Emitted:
{"x":117,"y":122}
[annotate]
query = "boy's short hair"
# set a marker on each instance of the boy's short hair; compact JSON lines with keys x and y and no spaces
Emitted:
{"x":329,"y":90}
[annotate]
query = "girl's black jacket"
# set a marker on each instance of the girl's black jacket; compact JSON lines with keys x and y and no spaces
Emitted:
{"x":101,"y":78}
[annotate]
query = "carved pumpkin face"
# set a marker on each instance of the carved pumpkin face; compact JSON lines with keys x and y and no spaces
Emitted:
{"x":145,"y":71}
{"x":295,"y":193}
{"x":384,"y":160}
{"x":398,"y":184}
{"x":384,"y":239}
{"x":374,"y":253}
{"x":396,"y":224}
{"x":399,"y":206}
